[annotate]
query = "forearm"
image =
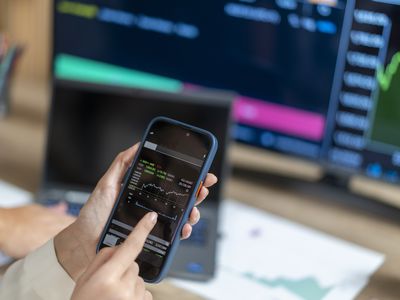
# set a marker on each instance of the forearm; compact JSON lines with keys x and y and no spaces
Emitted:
{"x":70,"y":252}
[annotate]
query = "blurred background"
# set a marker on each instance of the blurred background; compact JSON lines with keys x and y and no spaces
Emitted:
{"x":302,"y":94}
{"x":27,"y":24}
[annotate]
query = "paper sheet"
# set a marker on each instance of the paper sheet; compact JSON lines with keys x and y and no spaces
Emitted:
{"x":262,"y":256}
{"x":12,"y":196}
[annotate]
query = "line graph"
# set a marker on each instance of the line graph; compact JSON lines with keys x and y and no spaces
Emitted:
{"x":160,"y":213}
{"x":385,"y":75}
{"x":156,"y":184}
{"x":144,"y":186}
{"x":155,"y":193}
{"x":386,"y":123}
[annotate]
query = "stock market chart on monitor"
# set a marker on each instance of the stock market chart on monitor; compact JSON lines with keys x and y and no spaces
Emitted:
{"x":315,"y":78}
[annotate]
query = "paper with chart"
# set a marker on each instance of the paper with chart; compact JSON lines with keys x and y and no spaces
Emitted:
{"x":262,"y":256}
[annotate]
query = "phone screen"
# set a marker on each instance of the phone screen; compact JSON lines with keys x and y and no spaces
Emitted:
{"x":162,"y":179}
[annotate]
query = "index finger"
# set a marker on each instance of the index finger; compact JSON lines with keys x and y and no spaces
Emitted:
{"x":129,"y":250}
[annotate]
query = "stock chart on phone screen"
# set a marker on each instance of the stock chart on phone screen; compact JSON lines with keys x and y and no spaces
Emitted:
{"x":162,"y":179}
{"x":155,"y":186}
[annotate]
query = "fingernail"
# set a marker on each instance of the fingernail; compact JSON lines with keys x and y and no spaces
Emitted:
{"x":197,"y":214}
{"x":198,"y":218}
{"x":189,"y":233}
{"x":153,"y":217}
{"x":216,"y":178}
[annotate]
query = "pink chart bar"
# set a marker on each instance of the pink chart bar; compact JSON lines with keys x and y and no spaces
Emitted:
{"x":283,"y":119}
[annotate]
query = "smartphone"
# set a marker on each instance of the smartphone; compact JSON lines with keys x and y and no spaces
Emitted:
{"x":166,"y":176}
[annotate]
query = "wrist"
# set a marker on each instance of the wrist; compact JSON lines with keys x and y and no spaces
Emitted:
{"x":71,"y":252}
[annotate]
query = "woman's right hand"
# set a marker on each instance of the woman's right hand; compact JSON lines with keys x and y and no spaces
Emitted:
{"x":114,"y":274}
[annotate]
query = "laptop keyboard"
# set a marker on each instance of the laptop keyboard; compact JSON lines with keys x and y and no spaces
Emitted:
{"x":73,"y":208}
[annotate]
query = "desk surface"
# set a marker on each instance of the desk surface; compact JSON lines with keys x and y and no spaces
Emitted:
{"x":22,"y":138}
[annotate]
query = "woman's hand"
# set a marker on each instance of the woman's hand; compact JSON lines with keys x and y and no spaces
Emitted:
{"x":113,"y":274}
{"x":76,"y":245}
{"x":26,"y":228}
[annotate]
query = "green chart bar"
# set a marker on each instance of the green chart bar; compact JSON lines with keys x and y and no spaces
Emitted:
{"x":80,"y":69}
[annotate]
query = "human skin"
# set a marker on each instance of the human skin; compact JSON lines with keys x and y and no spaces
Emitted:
{"x":26,"y":228}
{"x":76,"y":245}
{"x":114,"y":274}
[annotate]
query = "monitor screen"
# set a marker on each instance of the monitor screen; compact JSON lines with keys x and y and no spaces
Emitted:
{"x":315,"y":78}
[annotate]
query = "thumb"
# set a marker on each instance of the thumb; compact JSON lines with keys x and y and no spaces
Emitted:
{"x":118,"y":168}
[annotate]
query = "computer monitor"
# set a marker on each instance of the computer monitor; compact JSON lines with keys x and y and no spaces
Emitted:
{"x":316,"y":79}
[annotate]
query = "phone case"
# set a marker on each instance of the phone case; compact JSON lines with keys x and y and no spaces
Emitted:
{"x":203,"y":173}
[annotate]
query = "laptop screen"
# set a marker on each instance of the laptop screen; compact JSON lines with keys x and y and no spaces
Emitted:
{"x":89,"y":125}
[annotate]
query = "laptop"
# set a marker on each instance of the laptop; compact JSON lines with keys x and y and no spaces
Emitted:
{"x":90,"y":124}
